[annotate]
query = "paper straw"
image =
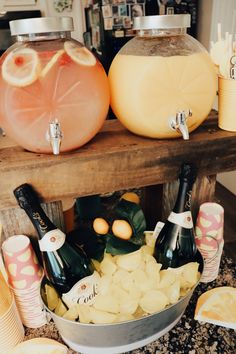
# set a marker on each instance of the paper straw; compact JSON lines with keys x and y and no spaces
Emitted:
{"x":219,"y":31}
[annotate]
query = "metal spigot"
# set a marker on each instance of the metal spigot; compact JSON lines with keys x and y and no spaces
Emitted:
{"x":55,"y":136}
{"x":179,"y":123}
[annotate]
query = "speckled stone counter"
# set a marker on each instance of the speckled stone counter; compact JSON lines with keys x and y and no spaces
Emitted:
{"x":188,"y":336}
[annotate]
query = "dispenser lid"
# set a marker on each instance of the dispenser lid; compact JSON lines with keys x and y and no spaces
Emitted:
{"x":41,"y":25}
{"x":161,"y":22}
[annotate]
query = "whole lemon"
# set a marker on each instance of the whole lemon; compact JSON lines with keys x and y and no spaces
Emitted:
{"x":131,"y":197}
{"x":122,"y":229}
{"x":100,"y":226}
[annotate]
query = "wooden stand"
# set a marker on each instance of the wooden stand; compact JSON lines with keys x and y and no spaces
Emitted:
{"x":114,"y":160}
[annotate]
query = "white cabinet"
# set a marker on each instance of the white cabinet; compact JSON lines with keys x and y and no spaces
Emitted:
{"x":77,"y":13}
{"x":23,"y":5}
{"x":19,"y":2}
{"x":47,"y":9}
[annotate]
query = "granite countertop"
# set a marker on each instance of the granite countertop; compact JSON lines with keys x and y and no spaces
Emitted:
{"x":188,"y":336}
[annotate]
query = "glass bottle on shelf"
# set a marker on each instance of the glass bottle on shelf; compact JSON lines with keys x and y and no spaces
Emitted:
{"x":175,"y":245}
{"x":66,"y":266}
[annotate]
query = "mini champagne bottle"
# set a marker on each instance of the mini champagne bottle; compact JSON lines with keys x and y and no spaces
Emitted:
{"x":175,"y":245}
{"x":66,"y":266}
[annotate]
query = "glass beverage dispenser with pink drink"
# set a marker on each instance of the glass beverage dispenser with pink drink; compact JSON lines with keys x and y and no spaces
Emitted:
{"x":163,"y":81}
{"x":54,"y":91}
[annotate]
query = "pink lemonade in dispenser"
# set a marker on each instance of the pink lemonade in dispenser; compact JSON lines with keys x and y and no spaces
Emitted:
{"x":54,"y":92}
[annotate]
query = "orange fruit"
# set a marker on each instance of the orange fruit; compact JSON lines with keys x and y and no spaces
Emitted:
{"x":21,"y":67}
{"x":122,"y":229}
{"x":100,"y":226}
{"x":131,"y":197}
{"x":80,"y":55}
{"x":217,"y":306}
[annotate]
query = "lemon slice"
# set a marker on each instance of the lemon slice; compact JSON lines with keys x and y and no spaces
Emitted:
{"x":21,"y":67}
{"x":80,"y":55}
{"x":39,"y":346}
{"x":52,"y":62}
{"x":217,"y":306}
{"x":131,"y":197}
{"x":52,"y":297}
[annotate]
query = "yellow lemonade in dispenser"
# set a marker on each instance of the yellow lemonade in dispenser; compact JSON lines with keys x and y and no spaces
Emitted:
{"x":153,"y":87}
{"x":157,"y":75}
{"x":53,"y":81}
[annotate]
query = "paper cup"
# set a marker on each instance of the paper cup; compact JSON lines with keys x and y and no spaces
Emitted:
{"x":21,"y":262}
{"x":209,"y":238}
{"x":227,"y":104}
{"x":5,"y":295}
{"x":12,"y":330}
{"x":30,"y":306}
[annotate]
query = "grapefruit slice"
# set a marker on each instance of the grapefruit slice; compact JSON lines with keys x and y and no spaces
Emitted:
{"x":39,"y":346}
{"x":80,"y":55}
{"x":52,"y":62}
{"x":21,"y":67}
{"x":217,"y":306}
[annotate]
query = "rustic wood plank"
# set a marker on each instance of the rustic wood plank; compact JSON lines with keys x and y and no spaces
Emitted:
{"x":152,"y":204}
{"x":114,"y":160}
{"x":15,"y":221}
{"x":203,"y":191}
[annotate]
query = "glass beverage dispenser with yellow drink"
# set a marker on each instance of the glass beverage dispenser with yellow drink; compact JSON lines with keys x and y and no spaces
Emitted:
{"x":162,"y":82}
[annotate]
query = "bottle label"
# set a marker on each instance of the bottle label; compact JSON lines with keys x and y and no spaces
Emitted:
{"x":182,"y":219}
{"x":83,"y":292}
{"x":52,"y":241}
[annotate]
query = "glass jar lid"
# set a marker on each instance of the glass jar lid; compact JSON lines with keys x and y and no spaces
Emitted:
{"x":41,"y":25}
{"x":161,"y":22}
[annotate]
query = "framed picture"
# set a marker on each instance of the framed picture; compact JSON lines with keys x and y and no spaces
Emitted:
{"x":87,"y":39}
{"x":117,"y":22}
{"x":137,"y":10}
{"x":96,"y":37}
{"x":127,"y":22}
{"x":95,"y":18}
{"x":115,"y":11}
{"x":108,"y":23}
{"x":106,"y":11}
{"x":122,"y":10}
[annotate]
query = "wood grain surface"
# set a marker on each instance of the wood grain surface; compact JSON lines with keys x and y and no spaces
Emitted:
{"x":114,"y":160}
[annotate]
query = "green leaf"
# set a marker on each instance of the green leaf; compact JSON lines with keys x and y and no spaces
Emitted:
{"x":133,"y":213}
{"x":116,"y":246}
{"x":88,"y":240}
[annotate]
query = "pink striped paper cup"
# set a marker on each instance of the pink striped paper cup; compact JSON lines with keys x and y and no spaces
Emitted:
{"x":21,"y":262}
{"x":209,"y":238}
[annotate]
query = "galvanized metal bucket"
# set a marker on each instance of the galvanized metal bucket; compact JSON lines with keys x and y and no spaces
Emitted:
{"x":121,"y":337}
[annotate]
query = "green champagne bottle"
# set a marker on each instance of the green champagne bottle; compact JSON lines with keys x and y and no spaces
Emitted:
{"x":175,"y":244}
{"x":66,"y":266}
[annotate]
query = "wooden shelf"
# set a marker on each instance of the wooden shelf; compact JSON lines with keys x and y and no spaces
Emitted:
{"x":115,"y":159}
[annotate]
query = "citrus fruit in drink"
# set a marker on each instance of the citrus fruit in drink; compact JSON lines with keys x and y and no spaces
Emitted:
{"x":217,"y":306}
{"x":21,"y":67}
